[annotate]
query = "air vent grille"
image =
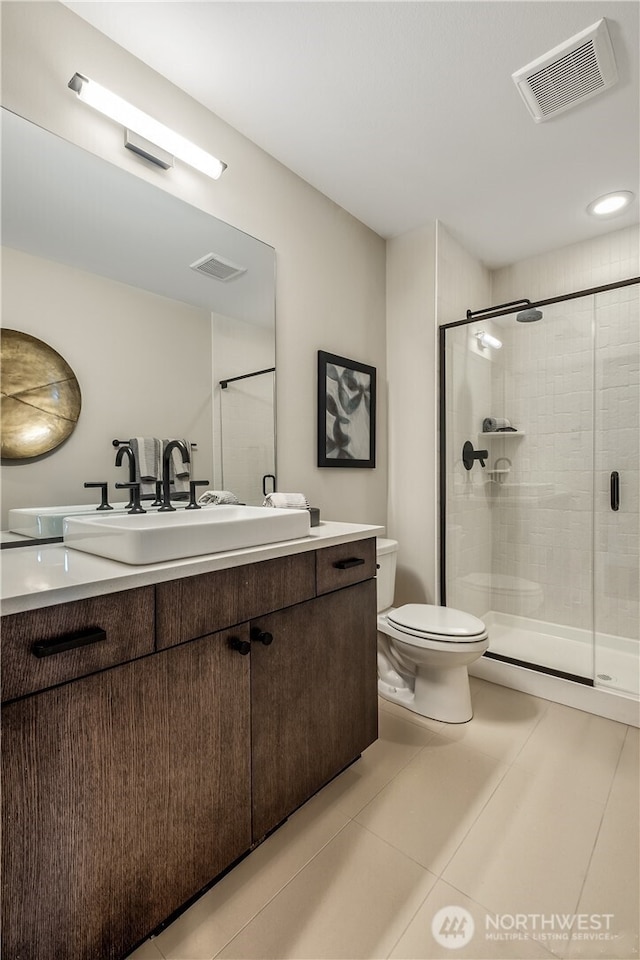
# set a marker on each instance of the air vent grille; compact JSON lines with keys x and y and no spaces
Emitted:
{"x":217,"y":267}
{"x":573,"y":72}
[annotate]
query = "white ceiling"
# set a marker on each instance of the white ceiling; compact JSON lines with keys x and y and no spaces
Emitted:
{"x":404,"y":112}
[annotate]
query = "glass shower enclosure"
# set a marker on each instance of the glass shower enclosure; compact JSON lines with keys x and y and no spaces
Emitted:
{"x":540,"y":482}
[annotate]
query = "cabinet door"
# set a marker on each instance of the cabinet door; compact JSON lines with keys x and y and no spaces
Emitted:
{"x":124,"y":793}
{"x":313,"y":698}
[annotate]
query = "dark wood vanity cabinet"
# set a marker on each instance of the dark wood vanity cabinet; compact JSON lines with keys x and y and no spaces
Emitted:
{"x":134,"y":774}
{"x":321,"y":660}
{"x":124,"y":794}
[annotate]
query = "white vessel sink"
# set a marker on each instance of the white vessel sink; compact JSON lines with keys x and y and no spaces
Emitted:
{"x":41,"y":522}
{"x":156,"y":537}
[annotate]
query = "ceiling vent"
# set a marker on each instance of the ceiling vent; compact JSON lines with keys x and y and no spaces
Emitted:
{"x":572,"y":72}
{"x":217,"y":267}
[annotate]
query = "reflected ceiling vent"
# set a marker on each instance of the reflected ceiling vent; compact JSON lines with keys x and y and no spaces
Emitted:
{"x":576,"y":70}
{"x":217,"y":267}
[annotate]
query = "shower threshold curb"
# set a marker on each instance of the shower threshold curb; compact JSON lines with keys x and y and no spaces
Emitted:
{"x":602,"y":703}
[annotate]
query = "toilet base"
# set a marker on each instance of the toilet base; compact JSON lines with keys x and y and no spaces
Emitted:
{"x":442,"y":695}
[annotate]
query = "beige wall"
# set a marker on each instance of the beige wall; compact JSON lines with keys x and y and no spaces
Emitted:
{"x":330,"y":268}
{"x":411,"y":359}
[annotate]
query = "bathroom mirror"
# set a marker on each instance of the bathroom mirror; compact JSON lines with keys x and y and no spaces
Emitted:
{"x":153,"y":302}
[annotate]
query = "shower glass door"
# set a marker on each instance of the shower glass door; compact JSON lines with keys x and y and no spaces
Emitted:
{"x":617,"y":453}
{"x":519,"y":530}
{"x":541,"y":527}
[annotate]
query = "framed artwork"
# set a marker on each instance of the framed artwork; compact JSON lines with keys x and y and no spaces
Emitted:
{"x":346,"y":412}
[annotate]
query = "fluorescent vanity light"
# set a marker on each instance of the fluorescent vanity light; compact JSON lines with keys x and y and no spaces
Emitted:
{"x":610,"y":203}
{"x":141,"y":123}
{"x":486,"y":340}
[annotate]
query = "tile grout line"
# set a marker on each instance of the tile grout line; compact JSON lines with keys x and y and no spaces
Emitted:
{"x":280,"y":889}
{"x":604,"y":811}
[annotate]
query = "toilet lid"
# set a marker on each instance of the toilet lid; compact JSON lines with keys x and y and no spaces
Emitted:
{"x":441,"y":623}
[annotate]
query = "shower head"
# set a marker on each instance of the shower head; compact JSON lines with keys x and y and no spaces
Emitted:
{"x":528,"y":316}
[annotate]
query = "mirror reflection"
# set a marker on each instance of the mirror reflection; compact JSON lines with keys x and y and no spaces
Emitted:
{"x":152,"y":302}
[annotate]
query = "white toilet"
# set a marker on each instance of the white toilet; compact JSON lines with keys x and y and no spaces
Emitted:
{"x":424,"y":650}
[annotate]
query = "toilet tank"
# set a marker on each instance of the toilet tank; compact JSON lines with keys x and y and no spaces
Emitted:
{"x":386,"y":554}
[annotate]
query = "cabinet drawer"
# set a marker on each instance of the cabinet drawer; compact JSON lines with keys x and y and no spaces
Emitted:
{"x":195,"y":606}
{"x":344,"y":564}
{"x":41,"y":648}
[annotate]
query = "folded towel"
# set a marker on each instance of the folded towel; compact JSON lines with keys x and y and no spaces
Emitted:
{"x":217,"y":496}
{"x":179,"y":472}
{"x":147,"y":453}
{"x":291,"y":501}
{"x":491,"y":424}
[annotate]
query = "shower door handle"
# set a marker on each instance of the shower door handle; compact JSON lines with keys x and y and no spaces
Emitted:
{"x":614,"y":490}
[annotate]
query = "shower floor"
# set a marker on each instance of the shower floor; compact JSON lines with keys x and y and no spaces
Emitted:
{"x":613,"y":665}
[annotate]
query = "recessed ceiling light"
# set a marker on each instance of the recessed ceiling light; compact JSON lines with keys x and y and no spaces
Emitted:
{"x":610,"y":204}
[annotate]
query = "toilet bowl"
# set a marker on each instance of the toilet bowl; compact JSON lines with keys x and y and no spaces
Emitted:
{"x":424,"y":650}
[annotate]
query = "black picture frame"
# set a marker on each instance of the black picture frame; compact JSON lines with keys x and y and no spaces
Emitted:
{"x":346,"y":412}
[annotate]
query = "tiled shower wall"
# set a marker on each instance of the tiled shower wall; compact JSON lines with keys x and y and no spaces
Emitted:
{"x":542,"y":531}
{"x":606,"y":259}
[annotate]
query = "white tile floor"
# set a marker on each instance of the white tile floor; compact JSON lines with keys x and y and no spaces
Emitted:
{"x":526,"y":817}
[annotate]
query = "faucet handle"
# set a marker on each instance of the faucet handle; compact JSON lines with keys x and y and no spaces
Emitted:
{"x":192,"y":493}
{"x":134,"y":503}
{"x":104,"y":505}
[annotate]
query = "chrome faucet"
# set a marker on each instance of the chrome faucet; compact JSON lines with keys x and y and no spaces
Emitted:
{"x":122,"y":450}
{"x":166,"y":470}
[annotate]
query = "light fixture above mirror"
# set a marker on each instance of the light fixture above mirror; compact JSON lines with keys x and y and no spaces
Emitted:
{"x":139,"y":125}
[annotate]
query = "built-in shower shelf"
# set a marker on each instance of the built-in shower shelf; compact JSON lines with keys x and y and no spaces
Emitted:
{"x":502,"y":433}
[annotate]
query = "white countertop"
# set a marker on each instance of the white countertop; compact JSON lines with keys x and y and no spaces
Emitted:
{"x":42,"y":576}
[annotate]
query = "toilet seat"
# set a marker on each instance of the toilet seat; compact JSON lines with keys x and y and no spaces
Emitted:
{"x":426,"y":622}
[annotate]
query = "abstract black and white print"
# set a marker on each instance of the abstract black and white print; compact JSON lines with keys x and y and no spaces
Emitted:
{"x":348,"y":414}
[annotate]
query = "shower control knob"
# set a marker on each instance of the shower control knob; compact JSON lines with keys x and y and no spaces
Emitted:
{"x":242,"y":646}
{"x":261,"y":636}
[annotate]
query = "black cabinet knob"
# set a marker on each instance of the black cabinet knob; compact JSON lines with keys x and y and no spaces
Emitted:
{"x":261,"y":636}
{"x":242,"y":646}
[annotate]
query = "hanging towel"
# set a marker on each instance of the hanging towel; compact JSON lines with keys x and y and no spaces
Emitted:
{"x":179,"y":472}
{"x":291,"y":501}
{"x":217,"y":496}
{"x":146,"y":451}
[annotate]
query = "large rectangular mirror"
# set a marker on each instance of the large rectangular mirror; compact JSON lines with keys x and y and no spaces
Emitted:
{"x":99,"y":264}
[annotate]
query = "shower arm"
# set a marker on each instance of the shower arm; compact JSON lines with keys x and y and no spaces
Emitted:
{"x":499,"y":306}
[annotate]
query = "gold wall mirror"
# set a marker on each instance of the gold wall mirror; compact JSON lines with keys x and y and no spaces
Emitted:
{"x":41,"y":398}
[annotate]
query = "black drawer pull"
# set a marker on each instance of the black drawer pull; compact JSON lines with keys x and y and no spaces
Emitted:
{"x":350,"y":562}
{"x":81,"y":638}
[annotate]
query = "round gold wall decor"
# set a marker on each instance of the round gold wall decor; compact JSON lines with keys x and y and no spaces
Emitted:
{"x":41,"y":398}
